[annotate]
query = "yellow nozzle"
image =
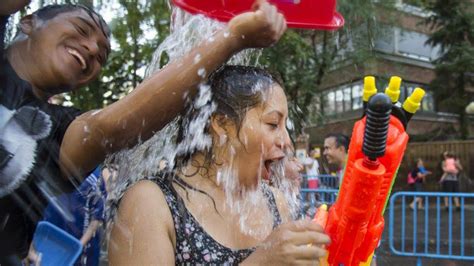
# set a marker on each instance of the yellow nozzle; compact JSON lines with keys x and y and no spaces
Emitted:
{"x":412,"y":103}
{"x":369,"y":88}
{"x":393,"y":89}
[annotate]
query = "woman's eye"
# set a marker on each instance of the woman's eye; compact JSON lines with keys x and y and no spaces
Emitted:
{"x":273,"y":125}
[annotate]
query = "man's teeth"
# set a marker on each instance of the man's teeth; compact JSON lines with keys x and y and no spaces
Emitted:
{"x":78,"y":56}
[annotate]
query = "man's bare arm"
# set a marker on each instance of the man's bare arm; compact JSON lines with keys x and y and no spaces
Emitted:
{"x":158,"y":99}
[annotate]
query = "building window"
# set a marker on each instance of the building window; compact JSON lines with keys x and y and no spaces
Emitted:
{"x":356,"y":96}
{"x":406,"y":43}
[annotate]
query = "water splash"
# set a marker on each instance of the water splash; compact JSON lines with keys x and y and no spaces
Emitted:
{"x":187,"y":31}
{"x":147,"y":159}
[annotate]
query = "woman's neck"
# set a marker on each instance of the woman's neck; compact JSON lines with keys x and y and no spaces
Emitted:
{"x":199,"y":170}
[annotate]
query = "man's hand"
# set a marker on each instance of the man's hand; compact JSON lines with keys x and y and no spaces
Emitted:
{"x":260,"y":28}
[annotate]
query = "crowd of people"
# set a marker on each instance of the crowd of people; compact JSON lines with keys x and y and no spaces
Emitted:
{"x":448,"y":181}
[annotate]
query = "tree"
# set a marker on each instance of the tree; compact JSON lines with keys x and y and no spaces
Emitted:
{"x":303,"y":57}
{"x":137,"y":30}
{"x":452,"y":23}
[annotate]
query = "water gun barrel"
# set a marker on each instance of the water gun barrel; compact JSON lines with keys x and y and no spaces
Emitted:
{"x":393,"y":89}
{"x":369,"y":90}
{"x":413,"y":103}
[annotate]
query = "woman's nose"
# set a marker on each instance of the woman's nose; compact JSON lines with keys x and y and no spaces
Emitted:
{"x":284,"y":140}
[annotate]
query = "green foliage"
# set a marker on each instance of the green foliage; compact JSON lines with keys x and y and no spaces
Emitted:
{"x":137,"y":30}
{"x":453,"y":25}
{"x":303,"y":57}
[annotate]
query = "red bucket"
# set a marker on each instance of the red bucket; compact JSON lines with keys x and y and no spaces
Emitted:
{"x":310,"y":14}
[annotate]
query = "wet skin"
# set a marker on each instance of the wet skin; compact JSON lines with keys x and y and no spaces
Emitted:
{"x":261,"y":139}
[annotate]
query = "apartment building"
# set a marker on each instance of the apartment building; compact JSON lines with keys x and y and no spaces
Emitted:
{"x":400,"y":51}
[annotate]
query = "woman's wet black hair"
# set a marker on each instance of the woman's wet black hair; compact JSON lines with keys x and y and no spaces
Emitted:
{"x":235,"y":90}
{"x":50,"y":11}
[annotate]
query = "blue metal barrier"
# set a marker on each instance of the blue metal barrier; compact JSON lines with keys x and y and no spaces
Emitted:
{"x":433,"y":231}
{"x":310,"y":198}
{"x":325,"y":181}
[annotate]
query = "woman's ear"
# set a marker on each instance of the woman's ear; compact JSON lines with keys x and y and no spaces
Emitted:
{"x":222,"y":128}
{"x":27,"y":24}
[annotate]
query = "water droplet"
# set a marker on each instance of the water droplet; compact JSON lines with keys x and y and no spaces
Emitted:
{"x":289,"y":124}
{"x":222,"y":139}
{"x":226,"y":34}
{"x":202,"y":72}
{"x":211,"y":39}
{"x":243,"y":36}
{"x":96,"y":112}
{"x":197,"y":58}
{"x":86,"y":129}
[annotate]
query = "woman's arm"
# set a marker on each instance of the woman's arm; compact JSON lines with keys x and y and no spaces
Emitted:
{"x":143,"y":232}
{"x":158,"y":99}
{"x":443,"y":166}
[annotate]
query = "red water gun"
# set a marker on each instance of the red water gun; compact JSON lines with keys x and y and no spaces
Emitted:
{"x":355,"y":222}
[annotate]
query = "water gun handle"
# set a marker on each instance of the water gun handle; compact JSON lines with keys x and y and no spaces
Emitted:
{"x":321,"y":216}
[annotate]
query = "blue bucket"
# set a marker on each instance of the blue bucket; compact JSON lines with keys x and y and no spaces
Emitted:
{"x":56,"y":246}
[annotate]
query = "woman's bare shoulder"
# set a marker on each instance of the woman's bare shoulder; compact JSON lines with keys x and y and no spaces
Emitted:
{"x":145,"y":195}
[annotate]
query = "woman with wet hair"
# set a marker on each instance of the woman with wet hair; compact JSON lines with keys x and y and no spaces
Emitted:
{"x":61,"y":48}
{"x":213,"y":206}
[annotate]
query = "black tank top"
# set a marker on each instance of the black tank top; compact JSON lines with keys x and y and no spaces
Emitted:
{"x":196,"y":246}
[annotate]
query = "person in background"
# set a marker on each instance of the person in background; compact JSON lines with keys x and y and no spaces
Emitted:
{"x":311,"y":166}
{"x":81,"y":214}
{"x":336,"y":146}
{"x":86,"y":207}
{"x":450,"y":179}
{"x":293,"y":167}
{"x":419,"y":174}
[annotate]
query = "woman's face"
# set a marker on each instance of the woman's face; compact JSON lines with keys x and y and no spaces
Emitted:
{"x":261,"y":139}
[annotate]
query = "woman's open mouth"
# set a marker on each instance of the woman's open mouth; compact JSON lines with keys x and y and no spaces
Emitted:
{"x":267,"y":167}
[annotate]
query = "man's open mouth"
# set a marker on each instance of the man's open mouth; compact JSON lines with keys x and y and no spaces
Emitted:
{"x":79,"y":58}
